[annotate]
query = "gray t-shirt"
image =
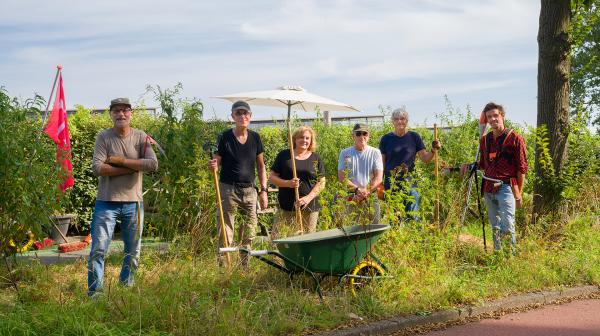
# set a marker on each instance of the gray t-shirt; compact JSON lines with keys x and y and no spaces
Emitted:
{"x":360,"y":165}
{"x":136,"y":145}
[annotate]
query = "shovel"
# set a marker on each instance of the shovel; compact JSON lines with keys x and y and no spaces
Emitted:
{"x":212,"y":149}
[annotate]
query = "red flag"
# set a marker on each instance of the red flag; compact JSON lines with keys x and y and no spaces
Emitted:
{"x":58,"y":130}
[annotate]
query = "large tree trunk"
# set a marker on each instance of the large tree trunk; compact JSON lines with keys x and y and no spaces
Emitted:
{"x":554,"y":66}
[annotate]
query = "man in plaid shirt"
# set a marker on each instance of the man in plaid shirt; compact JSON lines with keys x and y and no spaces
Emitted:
{"x":502,"y":157}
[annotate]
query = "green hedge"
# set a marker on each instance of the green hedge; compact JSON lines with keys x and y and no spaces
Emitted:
{"x":180,"y":195}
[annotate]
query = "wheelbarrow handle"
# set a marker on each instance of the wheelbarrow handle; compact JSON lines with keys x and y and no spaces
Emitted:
{"x":228,"y":249}
{"x":252,"y":253}
{"x":258,"y":252}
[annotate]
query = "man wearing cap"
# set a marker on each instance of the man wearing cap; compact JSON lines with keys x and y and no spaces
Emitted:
{"x":399,"y":150}
{"x":360,"y":167}
{"x":121,"y":155}
{"x":240,"y":154}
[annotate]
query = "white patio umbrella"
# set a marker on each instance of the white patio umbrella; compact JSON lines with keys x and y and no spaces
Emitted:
{"x":290,"y":96}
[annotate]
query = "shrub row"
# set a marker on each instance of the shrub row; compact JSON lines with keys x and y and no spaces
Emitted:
{"x":180,"y":195}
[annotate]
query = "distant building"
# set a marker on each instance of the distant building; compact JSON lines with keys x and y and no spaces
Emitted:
{"x":150,"y":110}
{"x":371,"y":119}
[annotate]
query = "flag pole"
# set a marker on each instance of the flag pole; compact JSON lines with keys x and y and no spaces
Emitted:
{"x":39,"y":135}
{"x":58,"y":70}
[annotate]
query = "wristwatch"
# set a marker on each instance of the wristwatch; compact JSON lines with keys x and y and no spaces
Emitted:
{"x":264,"y":189}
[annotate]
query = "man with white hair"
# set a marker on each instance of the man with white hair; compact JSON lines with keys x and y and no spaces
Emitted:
{"x":399,"y":150}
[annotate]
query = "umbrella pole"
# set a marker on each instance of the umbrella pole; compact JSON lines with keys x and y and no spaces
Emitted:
{"x":293,"y":156}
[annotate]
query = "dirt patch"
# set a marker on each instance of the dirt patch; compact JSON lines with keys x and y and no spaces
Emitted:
{"x":467,"y":239}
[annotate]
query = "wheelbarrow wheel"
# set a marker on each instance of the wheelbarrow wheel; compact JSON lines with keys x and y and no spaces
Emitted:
{"x":363,"y":274}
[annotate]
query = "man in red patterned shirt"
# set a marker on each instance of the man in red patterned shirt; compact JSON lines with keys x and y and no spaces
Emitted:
{"x":502,"y":157}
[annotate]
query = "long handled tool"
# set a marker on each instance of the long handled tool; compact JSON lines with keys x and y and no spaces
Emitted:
{"x":473,"y":176}
{"x":221,"y":216}
{"x":436,"y":211}
{"x":212,"y":149}
{"x":483,"y":127}
{"x":296,"y":191}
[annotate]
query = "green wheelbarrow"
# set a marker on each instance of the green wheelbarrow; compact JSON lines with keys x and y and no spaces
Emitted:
{"x":342,"y":252}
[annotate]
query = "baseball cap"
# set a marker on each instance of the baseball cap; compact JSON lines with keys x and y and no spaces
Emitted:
{"x":240,"y":105}
{"x":119,"y":101}
{"x":360,"y":128}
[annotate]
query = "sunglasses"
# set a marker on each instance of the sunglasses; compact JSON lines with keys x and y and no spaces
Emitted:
{"x":119,"y":110}
{"x":361,"y":133}
{"x":241,"y":113}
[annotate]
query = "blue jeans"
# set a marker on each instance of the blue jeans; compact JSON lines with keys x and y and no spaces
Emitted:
{"x":501,"y":208}
{"x":131,"y":215}
{"x":411,"y":207}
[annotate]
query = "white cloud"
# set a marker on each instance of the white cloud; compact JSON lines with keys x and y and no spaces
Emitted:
{"x":360,"y":52}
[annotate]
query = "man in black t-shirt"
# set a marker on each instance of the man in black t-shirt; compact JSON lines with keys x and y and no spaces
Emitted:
{"x":240,"y":154}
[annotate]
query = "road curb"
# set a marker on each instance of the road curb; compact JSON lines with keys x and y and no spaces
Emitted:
{"x":395,"y":324}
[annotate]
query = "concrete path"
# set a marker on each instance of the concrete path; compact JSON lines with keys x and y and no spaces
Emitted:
{"x":577,"y":318}
{"x":52,"y":256}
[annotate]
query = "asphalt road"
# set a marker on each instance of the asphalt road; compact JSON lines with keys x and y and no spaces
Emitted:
{"x":577,"y":318}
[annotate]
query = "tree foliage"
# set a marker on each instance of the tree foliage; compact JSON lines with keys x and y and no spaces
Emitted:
{"x":585,"y":64}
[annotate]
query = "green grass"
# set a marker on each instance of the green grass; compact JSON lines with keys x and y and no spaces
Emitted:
{"x":180,"y":295}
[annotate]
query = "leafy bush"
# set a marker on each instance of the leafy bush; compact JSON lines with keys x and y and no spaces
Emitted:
{"x":28,"y":174}
{"x":180,"y":195}
{"x":182,"y":190}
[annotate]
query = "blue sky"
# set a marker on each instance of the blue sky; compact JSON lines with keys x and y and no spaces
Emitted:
{"x":364,"y":53}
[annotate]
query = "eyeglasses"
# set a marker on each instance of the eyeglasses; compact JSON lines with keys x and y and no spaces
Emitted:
{"x":361,"y":133}
{"x":119,"y":110}
{"x":239,"y":113}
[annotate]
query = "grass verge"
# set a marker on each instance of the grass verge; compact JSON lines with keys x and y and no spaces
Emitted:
{"x":176,"y":294}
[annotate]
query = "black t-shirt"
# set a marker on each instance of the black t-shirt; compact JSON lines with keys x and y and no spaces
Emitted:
{"x":309,"y":171}
{"x":238,"y":162}
{"x":399,"y":151}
